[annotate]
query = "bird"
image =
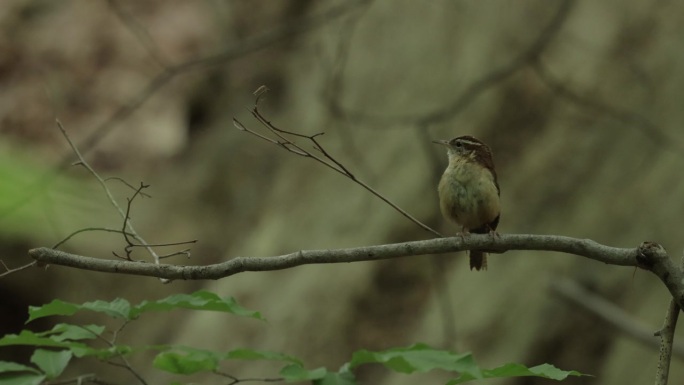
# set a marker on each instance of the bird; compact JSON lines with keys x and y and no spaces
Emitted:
{"x":469,"y":193}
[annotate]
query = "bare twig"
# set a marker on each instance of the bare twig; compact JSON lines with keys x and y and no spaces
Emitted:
{"x":667,"y":346}
{"x":666,"y":334}
{"x":87,"y":229}
{"x":124,"y":362}
{"x":9,"y":271}
{"x":126,"y":365}
{"x":128,"y":226}
{"x":123,"y":181}
{"x":126,"y":221}
{"x":324,"y":158}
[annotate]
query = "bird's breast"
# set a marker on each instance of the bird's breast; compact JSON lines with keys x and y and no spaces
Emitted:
{"x":469,"y":195}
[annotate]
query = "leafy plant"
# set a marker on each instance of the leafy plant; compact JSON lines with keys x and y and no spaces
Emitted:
{"x":56,"y":348}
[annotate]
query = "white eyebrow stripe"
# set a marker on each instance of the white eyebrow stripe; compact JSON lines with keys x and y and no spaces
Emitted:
{"x":470,"y":142}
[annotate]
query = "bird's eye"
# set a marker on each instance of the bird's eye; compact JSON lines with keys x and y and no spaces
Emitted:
{"x":458,"y":144}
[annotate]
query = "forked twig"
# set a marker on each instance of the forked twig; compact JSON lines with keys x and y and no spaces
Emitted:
{"x":323,"y":157}
{"x":9,"y":271}
{"x":128,"y":226}
{"x":132,"y":238}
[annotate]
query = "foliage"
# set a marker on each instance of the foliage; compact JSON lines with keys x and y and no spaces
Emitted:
{"x":57,"y":347}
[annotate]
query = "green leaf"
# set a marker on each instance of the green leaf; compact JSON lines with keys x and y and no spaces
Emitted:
{"x":249,"y":354}
{"x":56,"y":307}
{"x":121,"y":309}
{"x":200,"y":300}
{"x":27,"y":337}
{"x":68,"y":332}
{"x":51,"y":362}
{"x":118,"y":308}
{"x":296,"y":373}
{"x":8,"y":367}
{"x":518,"y":370}
{"x":21,"y":379}
{"x":418,"y":358}
{"x":192,"y":361}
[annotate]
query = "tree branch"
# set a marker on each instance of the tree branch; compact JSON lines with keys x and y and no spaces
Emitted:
{"x":666,"y":334}
{"x":648,"y":256}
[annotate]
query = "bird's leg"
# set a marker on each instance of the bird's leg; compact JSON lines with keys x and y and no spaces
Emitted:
{"x":463,"y":233}
{"x":493,"y":232}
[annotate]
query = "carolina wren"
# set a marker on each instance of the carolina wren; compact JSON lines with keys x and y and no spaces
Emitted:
{"x":469,"y":192}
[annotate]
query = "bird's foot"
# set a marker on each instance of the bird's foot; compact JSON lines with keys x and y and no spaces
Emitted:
{"x":463,"y":234}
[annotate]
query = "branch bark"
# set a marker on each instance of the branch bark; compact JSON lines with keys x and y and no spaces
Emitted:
{"x":649,"y":256}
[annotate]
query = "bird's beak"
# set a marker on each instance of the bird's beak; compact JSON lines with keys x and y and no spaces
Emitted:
{"x":442,"y":142}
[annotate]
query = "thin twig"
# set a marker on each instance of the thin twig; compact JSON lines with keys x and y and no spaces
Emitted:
{"x":127,"y":220}
{"x":123,"y":181}
{"x":324,"y":158}
{"x":87,"y":229}
{"x":20,"y":268}
{"x":124,"y":362}
{"x":185,"y":252}
{"x":128,"y":226}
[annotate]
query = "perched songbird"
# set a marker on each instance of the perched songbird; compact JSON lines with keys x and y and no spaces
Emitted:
{"x":469,"y":192}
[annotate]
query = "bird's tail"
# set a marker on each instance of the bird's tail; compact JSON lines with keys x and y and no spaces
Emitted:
{"x":478,"y":260}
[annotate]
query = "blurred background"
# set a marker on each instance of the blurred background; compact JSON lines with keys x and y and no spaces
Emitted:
{"x":580,"y":101}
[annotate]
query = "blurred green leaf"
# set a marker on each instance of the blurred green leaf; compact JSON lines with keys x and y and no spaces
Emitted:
{"x":21,"y":379}
{"x":249,"y":354}
{"x":199,"y":300}
{"x":51,"y":362}
{"x":7,"y":367}
{"x":122,"y":309}
{"x":68,"y":332}
{"x":189,"y":362}
{"x":518,"y":370}
{"x":418,"y":358}
{"x":56,"y":307}
{"x":118,"y":308}
{"x":29,"y":338}
{"x":296,"y":372}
